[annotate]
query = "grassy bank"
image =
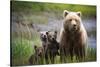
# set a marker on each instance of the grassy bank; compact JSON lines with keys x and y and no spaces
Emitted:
{"x":22,"y":49}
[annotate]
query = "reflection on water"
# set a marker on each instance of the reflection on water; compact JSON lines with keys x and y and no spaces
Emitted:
{"x":90,"y":25}
{"x":92,"y":42}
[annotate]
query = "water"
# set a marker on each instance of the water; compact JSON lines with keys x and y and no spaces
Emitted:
{"x":90,"y":25}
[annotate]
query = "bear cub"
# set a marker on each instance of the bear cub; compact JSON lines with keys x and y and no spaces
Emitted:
{"x":36,"y":57}
{"x":50,"y":45}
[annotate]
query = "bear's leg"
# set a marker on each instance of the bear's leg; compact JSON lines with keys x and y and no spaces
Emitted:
{"x":47,"y":57}
{"x":62,"y":55}
{"x":76,"y":51}
{"x":65,"y":55}
{"x":71,"y":52}
{"x":37,"y":60}
{"x":82,"y":54}
{"x":52,"y":59}
{"x":31,"y":60}
{"x":41,"y":60}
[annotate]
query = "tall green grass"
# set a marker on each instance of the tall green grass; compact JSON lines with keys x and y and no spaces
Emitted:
{"x":23,"y":47}
{"x":22,"y":44}
{"x":22,"y":50}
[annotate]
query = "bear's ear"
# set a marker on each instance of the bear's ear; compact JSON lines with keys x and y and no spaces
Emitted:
{"x":35,"y":47}
{"x":65,"y":13}
{"x":47,"y":33}
{"x":55,"y":32}
{"x":79,"y":14}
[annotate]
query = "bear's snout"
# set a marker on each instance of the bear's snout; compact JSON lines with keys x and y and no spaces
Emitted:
{"x":44,"y":36}
{"x":53,"y":38}
{"x":40,"y":53}
{"x":74,"y":27}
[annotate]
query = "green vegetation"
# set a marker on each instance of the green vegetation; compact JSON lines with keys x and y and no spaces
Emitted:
{"x":37,"y":7}
{"x":25,"y":37}
{"x":22,"y":48}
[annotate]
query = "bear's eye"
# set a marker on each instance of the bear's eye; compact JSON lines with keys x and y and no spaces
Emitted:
{"x":76,"y":20}
{"x":70,"y":19}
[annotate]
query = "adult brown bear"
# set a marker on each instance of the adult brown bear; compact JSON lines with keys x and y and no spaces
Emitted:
{"x":73,"y":36}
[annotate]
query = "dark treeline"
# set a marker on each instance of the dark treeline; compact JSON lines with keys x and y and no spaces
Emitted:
{"x":33,"y":7}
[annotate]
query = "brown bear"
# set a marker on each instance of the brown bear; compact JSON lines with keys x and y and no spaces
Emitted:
{"x":49,"y":44}
{"x":52,"y":46}
{"x":73,"y":36}
{"x":43,"y":37}
{"x":38,"y":56}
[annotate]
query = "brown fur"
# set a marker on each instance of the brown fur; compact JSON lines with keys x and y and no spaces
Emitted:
{"x":49,"y":44}
{"x":37,"y":56}
{"x":73,"y":36}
